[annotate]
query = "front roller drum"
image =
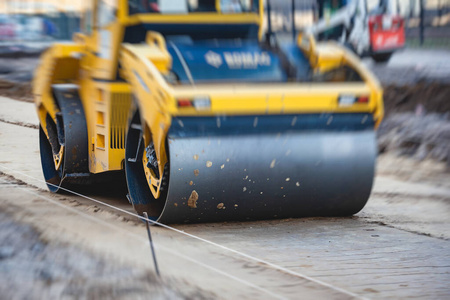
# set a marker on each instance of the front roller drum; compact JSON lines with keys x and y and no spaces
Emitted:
{"x":242,"y":168}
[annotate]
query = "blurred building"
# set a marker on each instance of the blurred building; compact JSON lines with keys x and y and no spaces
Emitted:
{"x":59,"y":19}
{"x":41,"y":6}
{"x":36,"y":20}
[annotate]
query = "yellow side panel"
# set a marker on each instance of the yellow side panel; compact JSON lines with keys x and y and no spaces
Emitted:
{"x":107,"y":106}
{"x":274,"y":98}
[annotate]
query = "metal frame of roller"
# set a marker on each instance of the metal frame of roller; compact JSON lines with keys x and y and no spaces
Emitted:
{"x":218,"y":150}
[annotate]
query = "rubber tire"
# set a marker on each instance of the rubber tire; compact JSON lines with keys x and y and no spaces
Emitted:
{"x":382,"y":57}
{"x":51,"y":175}
{"x":140,"y":195}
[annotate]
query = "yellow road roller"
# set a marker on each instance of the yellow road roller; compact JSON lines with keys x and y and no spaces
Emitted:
{"x":210,"y":118}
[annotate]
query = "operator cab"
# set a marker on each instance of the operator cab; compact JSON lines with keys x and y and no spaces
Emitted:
{"x":198,"y":19}
{"x":191,"y":6}
{"x":208,"y":40}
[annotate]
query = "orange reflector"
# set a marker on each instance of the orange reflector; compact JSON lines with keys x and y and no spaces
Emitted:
{"x":363,"y":99}
{"x":184,"y":103}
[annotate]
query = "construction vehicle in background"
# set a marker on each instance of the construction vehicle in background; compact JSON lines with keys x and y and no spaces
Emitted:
{"x":209,"y":120}
{"x":377,"y":33}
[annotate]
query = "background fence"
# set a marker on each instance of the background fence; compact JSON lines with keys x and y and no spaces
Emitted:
{"x":427,"y":22}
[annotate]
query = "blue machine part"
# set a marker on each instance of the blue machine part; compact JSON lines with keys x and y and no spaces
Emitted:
{"x":225,"y":61}
{"x":296,"y":57}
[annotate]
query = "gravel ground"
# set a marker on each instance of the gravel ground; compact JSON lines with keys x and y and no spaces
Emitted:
{"x":30,"y":265}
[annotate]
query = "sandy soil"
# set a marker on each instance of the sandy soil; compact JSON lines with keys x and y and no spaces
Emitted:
{"x":31,"y":264}
{"x":394,"y":248}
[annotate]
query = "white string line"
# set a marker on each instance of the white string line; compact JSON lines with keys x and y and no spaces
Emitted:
{"x":277,"y":267}
{"x":159,"y":247}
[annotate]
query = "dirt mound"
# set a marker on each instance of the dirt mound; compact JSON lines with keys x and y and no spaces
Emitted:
{"x":20,"y":51}
{"x":418,"y":135}
{"x":417,"y":121}
{"x":433,"y":97}
{"x":17,"y":90}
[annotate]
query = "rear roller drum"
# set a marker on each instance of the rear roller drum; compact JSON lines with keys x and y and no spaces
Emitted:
{"x":64,"y":150}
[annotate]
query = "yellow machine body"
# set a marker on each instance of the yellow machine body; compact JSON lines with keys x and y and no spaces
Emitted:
{"x":113,"y":79}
